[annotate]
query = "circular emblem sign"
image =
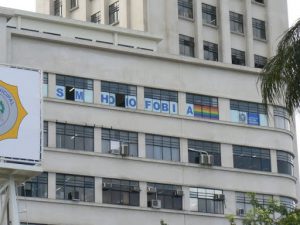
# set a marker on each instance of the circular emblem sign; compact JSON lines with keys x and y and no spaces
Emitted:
{"x":11,"y":111}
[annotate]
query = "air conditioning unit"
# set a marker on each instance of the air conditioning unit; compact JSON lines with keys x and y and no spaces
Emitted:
{"x":106,"y":186}
{"x":207,"y":160}
{"x":115,"y":151}
{"x":243,"y":117}
{"x":178,"y":193}
{"x":76,"y":197}
{"x":135,"y":189}
{"x":155,"y":204}
{"x":124,"y":150}
{"x":151,"y":189}
{"x":219,"y":197}
{"x":240,"y":212}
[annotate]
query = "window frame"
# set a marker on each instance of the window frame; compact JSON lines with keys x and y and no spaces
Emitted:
{"x":244,"y":200}
{"x":70,"y":84}
{"x":238,"y":57}
{"x":162,"y":144}
{"x":254,"y":114}
{"x":165,"y":193}
{"x":123,"y":189}
{"x":45,"y":133}
{"x":80,"y":183}
{"x":285,"y":162}
{"x":96,"y":17}
{"x":211,"y":51}
{"x":121,"y":136}
{"x":209,"y":11}
{"x":204,"y":106}
{"x":57,"y":8}
{"x":259,"y":29}
{"x":206,"y":196}
{"x":260,"y":61}
{"x":36,"y":184}
{"x":65,"y":131}
{"x":195,"y":147}
{"x":186,"y":45}
{"x":113,"y":13}
{"x":251,"y":158}
{"x":236,"y":22}
{"x":185,"y":9}
{"x":280,"y":113}
{"x":74,"y":4}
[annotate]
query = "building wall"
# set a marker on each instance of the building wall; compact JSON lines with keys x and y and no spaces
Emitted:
{"x":163,"y":68}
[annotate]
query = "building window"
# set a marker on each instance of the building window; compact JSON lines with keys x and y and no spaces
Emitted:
{"x":210,"y":51}
{"x":158,"y":100}
{"x":238,"y":57}
{"x":45,"y":133}
{"x":288,"y":203}
{"x":207,"y":200}
{"x":74,"y":89}
{"x":162,"y":148}
{"x":236,"y":22}
{"x":281,"y":117}
{"x":209,"y":14}
{"x":57,"y":8}
{"x":202,"y":106}
{"x":115,"y":139}
{"x":96,"y":17}
{"x":243,"y":202}
{"x":74,"y":137}
{"x":121,"y":192}
{"x":114,"y":13}
{"x":185,"y":8}
{"x":73,"y":4}
{"x":248,"y":113}
{"x":285,"y":163}
{"x":77,"y":188}
{"x":120,"y":95}
{"x":259,"y":29}
{"x":260,"y":61}
{"x":197,"y":148}
{"x":35,"y":187}
{"x":186,"y":45}
{"x":251,"y":158}
{"x":170,"y":196}
{"x":45,"y":84}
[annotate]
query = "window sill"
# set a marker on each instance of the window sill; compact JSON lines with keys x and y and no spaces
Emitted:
{"x":74,"y":8}
{"x":211,"y":25}
{"x":238,"y":33}
{"x":169,"y":163}
{"x":176,"y":116}
{"x":186,"y":18}
{"x":260,"y":39}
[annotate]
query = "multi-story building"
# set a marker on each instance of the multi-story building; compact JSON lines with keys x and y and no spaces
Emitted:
{"x":152,"y":110}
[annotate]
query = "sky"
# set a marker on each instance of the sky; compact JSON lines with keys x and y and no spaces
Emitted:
{"x":293,"y":8}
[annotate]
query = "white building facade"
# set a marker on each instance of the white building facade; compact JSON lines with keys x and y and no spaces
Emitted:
{"x":152,"y":110}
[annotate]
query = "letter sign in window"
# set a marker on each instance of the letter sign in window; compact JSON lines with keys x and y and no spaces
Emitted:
{"x":148,"y":104}
{"x":60,"y":92}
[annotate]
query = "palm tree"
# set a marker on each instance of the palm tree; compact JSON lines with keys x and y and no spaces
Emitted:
{"x":280,"y":78}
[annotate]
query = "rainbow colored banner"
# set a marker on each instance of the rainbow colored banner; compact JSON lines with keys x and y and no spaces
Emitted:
{"x":206,"y":112}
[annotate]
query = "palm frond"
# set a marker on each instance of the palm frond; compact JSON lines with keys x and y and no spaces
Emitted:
{"x":280,"y":78}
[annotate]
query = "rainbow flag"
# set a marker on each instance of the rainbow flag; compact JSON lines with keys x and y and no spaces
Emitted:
{"x":206,"y":112}
{"x":197,"y":111}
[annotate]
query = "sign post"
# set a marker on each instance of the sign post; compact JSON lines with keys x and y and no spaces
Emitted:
{"x":20,"y":134}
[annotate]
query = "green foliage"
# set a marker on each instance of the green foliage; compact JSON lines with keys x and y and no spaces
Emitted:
{"x":271,"y":214}
{"x":280,"y":78}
